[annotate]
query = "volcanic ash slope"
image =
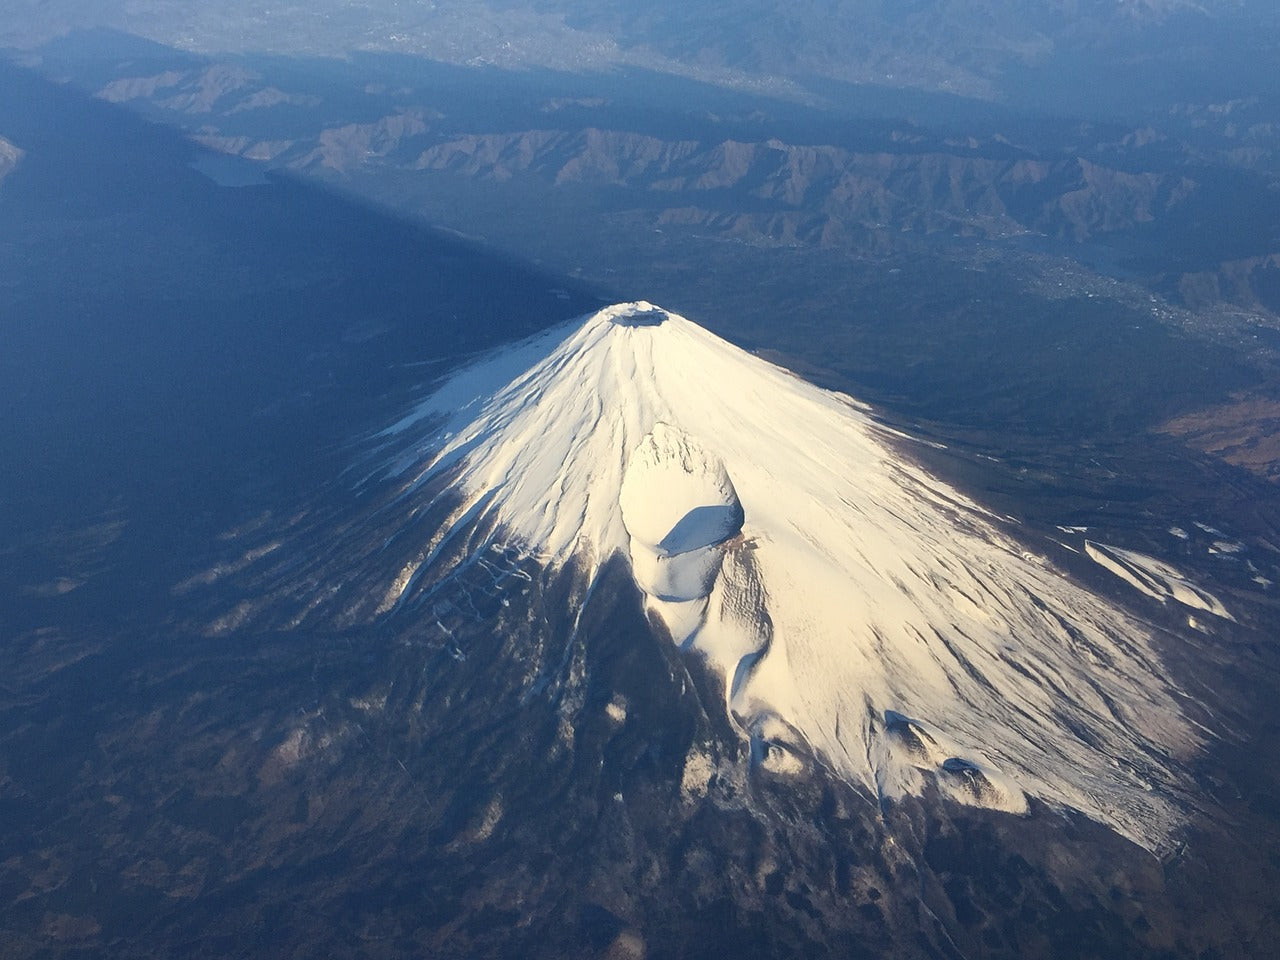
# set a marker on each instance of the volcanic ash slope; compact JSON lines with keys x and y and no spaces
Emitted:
{"x":857,"y":607}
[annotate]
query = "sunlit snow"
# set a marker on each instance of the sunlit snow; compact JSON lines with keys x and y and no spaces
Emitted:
{"x":858,"y":608}
{"x":1154,"y":578}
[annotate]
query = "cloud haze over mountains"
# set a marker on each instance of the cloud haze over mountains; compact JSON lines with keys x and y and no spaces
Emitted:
{"x":995,"y":49}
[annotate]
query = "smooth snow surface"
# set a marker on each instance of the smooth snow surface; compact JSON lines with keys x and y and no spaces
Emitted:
{"x":858,"y":608}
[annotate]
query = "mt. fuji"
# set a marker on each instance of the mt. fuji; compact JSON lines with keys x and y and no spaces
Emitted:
{"x":863,"y":614}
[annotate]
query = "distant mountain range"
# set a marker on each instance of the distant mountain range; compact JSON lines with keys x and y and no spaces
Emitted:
{"x":820,"y":193}
{"x":1080,"y":51}
{"x":1189,"y":205}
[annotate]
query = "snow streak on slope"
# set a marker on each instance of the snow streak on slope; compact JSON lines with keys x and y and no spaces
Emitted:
{"x":1157,"y":580}
{"x":857,"y":607}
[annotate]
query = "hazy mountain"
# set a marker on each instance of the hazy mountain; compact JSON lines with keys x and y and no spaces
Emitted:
{"x":1081,"y":53}
{"x":825,"y":192}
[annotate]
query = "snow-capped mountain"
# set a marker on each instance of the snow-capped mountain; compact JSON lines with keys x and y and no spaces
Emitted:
{"x":860,"y":611}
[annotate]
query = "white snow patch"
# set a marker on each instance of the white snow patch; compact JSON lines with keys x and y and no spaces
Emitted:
{"x":1155,"y":578}
{"x":858,"y":584}
{"x":676,"y":496}
{"x":908,"y":748}
{"x":679,"y":506}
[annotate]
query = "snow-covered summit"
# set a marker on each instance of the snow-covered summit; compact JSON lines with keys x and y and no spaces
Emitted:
{"x":858,"y":608}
